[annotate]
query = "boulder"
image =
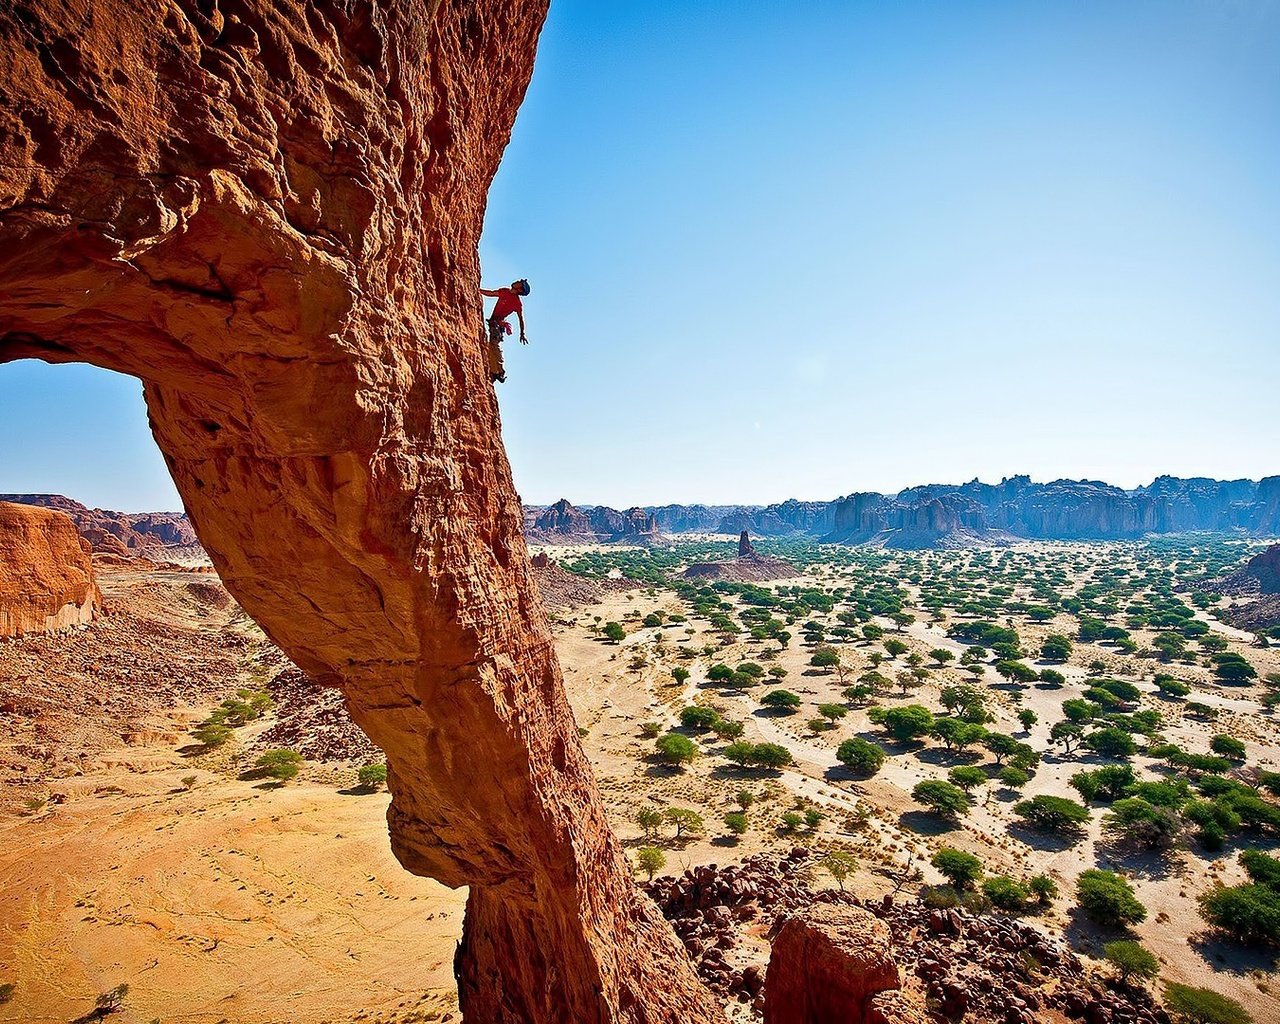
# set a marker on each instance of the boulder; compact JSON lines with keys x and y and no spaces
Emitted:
{"x":46,"y":573}
{"x":827,"y":966}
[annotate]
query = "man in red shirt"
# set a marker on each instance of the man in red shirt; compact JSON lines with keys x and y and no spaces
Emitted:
{"x":508,"y":303}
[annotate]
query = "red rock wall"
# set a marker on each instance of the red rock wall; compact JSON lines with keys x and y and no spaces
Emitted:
{"x":46,"y":575}
{"x":268,"y":212}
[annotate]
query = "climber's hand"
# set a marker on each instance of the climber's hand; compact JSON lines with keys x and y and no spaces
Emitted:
{"x":524,"y":340}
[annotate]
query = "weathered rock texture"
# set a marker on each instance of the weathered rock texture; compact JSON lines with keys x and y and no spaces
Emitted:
{"x":268,"y":212}
{"x":830,"y":965}
{"x":46,"y":574}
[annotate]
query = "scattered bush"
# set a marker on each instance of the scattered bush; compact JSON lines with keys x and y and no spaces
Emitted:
{"x":941,"y":797}
{"x":650,"y":860}
{"x":961,"y":869}
{"x":1188,"y":1005}
{"x":282,"y":764}
{"x":1056,"y":814}
{"x":675,"y":749}
{"x":1108,"y":899}
{"x":1131,"y":959}
{"x":371,"y":776}
{"x":1006,"y":893}
{"x":861,"y":756}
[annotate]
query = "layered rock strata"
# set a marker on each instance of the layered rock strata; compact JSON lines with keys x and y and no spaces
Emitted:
{"x":46,"y":574}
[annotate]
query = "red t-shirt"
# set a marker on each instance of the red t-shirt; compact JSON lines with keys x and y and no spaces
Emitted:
{"x":508,"y":303}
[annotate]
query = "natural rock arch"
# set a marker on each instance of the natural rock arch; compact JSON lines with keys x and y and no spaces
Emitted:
{"x":268,"y":210}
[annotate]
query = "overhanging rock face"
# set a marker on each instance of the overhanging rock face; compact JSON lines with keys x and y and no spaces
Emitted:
{"x":267,"y":210}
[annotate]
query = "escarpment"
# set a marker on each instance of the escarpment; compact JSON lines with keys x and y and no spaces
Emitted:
{"x":46,"y":575}
{"x":268,"y":212}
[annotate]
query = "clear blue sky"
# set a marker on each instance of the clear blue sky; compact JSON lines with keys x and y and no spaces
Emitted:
{"x":785,"y":250}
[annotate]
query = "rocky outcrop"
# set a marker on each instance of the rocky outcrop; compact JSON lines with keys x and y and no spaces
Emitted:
{"x":834,"y":964}
{"x":1258,"y":581}
{"x":46,"y":574}
{"x":749,"y":567}
{"x":1259,"y":575}
{"x":562,"y":523}
{"x":125,"y":534}
{"x":967,"y":966}
{"x":269,"y":213}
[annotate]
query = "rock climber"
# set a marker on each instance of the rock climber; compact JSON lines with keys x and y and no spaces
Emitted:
{"x":508,"y":303}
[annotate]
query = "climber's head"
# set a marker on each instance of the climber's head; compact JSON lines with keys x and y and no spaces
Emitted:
{"x":520,"y":287}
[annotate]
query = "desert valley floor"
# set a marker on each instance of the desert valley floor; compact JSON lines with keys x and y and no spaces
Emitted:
{"x":131,"y":853}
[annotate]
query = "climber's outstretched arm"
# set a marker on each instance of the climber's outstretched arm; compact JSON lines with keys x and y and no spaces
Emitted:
{"x":523,"y":339}
{"x":485,"y":291}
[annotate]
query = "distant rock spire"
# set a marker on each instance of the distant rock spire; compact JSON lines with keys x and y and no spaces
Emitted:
{"x":745,"y":550}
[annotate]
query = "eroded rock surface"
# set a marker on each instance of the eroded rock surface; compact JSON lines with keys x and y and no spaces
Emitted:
{"x":268,"y":212}
{"x":46,"y":574}
{"x":828,"y":966}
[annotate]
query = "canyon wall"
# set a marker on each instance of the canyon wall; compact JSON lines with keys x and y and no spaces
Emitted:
{"x":269,"y":212}
{"x":118,"y":533}
{"x":46,"y":574}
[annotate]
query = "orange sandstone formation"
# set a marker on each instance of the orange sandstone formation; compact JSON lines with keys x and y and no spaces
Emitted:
{"x":268,"y":210}
{"x":46,"y":574}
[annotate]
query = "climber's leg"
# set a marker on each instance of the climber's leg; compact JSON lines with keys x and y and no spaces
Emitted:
{"x":496,"y":370}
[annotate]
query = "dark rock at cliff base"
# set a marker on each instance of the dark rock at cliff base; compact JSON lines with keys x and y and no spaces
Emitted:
{"x":1257,"y":584}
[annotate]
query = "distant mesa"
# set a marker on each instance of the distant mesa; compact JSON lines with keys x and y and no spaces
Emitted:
{"x":978,"y":514}
{"x":46,"y":572}
{"x":562,"y":523}
{"x":749,"y":567}
{"x":158,"y":536}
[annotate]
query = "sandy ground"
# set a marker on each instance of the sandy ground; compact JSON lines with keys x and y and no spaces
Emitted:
{"x":222,"y":901}
{"x":230,"y":901}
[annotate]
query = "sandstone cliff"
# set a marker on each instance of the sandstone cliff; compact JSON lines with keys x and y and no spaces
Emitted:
{"x":563,"y":523}
{"x":142,"y":534}
{"x":269,"y":212}
{"x":46,"y":575}
{"x":942,"y":516}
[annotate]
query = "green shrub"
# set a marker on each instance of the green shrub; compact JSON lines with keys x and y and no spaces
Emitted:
{"x":941,"y":797}
{"x":781,"y":700}
{"x":961,"y":869}
{"x":861,"y":756}
{"x":1056,"y":814}
{"x":1188,"y":1005}
{"x":282,"y":764}
{"x":212,"y":734}
{"x":966,"y":776}
{"x":1250,"y":914}
{"x":1006,"y":893}
{"x":1227,"y":746}
{"x":650,"y":860}
{"x":736,"y":822}
{"x":371,"y":776}
{"x":1131,"y":959}
{"x":1108,"y":899}
{"x":699,"y":718}
{"x":675,"y":749}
